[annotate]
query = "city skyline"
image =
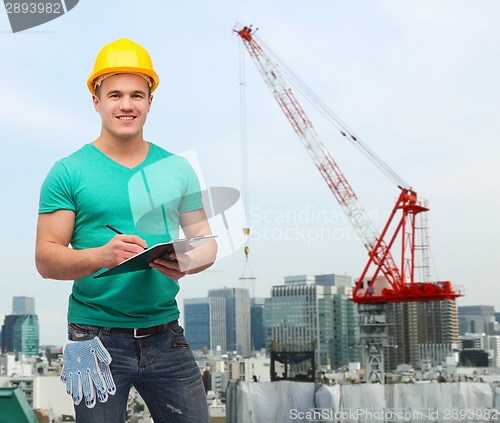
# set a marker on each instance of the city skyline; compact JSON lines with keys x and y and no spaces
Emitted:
{"x":467,"y":315}
{"x":415,"y":80}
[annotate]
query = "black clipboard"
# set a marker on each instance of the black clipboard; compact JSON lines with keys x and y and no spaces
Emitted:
{"x":163,"y":250}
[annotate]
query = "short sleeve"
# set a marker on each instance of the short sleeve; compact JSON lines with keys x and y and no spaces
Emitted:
{"x":56,"y":192}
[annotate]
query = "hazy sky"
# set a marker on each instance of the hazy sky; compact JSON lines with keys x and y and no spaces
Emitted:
{"x":417,"y":80}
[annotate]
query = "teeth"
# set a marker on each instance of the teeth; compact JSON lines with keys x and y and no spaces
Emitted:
{"x":125,"y":117}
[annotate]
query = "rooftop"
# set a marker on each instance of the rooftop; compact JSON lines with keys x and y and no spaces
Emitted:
{"x":15,"y":407}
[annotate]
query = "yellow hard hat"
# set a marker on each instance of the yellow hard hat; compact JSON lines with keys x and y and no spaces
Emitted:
{"x":123,"y":56}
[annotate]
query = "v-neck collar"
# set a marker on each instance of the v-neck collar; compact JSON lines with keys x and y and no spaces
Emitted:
{"x":115,"y":163}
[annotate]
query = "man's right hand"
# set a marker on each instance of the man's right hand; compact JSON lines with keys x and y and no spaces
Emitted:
{"x":121,"y":248}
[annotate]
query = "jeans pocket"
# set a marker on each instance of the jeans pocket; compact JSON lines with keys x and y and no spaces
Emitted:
{"x":77,"y":332}
{"x":176,"y":329}
{"x":178,"y":338}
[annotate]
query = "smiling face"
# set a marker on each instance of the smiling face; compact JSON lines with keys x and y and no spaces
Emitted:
{"x":123,"y":101}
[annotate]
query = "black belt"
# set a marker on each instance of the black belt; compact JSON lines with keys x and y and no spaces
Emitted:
{"x":143,"y":332}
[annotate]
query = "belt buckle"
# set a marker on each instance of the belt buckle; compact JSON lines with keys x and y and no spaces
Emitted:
{"x":139,"y":336}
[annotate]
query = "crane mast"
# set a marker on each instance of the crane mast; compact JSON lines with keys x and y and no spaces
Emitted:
{"x":388,"y":282}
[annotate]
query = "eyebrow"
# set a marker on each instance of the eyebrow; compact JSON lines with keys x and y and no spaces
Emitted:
{"x":121,"y":92}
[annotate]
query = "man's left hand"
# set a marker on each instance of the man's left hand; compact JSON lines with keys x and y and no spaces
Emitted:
{"x":177,"y":267}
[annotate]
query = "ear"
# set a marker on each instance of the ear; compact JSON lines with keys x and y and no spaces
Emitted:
{"x":150,"y":100}
{"x":95,"y":101}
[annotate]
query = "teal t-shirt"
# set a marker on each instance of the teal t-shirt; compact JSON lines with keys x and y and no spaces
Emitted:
{"x":145,"y":201}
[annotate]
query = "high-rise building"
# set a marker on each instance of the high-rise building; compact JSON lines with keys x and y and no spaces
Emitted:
{"x":237,"y":318}
{"x":257,"y":323}
{"x":205,"y":323}
{"x":332,"y":279}
{"x":314,"y":313}
{"x":26,"y":334}
{"x":23,"y":306}
{"x":476,"y":319}
{"x":412,"y":324}
{"x":20,"y":330}
{"x":345,"y":323}
{"x":8,"y":333}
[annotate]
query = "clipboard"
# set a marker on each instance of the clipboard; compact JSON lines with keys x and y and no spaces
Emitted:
{"x":163,"y":250}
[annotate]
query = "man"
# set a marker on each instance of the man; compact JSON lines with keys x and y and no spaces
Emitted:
{"x":124,"y":327}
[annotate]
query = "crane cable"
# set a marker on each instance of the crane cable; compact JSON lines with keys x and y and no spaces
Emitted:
{"x":335,"y":120}
{"x":244,"y":157}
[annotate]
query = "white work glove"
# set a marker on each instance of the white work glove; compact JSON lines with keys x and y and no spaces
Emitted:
{"x":86,"y":369}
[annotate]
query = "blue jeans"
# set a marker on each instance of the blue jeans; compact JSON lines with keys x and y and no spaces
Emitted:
{"x":162,"y":369}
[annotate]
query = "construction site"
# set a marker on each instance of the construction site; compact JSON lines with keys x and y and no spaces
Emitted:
{"x":400,"y":307}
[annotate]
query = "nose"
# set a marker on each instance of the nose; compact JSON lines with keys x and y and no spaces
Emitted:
{"x":126,"y":103}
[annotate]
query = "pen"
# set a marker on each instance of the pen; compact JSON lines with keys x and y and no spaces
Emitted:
{"x":113,"y":229}
{"x":117,"y":231}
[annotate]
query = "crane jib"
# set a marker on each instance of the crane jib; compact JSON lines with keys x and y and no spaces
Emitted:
{"x":388,"y":282}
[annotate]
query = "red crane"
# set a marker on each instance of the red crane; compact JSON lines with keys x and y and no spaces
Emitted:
{"x":382,"y":279}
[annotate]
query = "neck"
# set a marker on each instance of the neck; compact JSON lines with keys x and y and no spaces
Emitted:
{"x":129,"y":152}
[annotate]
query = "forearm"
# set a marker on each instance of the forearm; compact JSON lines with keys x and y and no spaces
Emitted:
{"x":55,"y":261}
{"x":202,"y":257}
{"x":54,"y":258}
